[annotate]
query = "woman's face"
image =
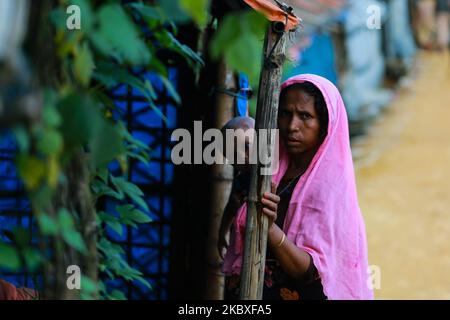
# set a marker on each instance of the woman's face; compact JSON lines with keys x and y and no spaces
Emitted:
{"x":298,"y":122}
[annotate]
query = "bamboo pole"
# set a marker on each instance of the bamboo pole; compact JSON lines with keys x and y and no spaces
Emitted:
{"x":252,"y":276}
{"x":221,"y":181}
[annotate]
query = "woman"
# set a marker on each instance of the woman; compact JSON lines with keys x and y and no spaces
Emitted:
{"x":316,"y":241}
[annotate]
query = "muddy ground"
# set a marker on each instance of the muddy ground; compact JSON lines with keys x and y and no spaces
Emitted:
{"x":403,"y":175}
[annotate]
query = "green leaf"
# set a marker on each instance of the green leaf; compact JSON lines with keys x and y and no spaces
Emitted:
{"x":124,"y":212}
{"x":116,"y":226}
{"x":68,"y":231}
{"x":9,"y":258}
{"x":139,"y":201}
{"x":33,"y":258}
{"x":41,"y":197}
{"x":105,"y":217}
{"x":130,"y":215}
{"x":130,"y":190}
{"x":111,"y":75}
{"x":142,"y":157}
{"x":88,"y":285}
{"x":100,"y":188}
{"x":83,"y":123}
{"x":123,"y":42}
{"x":31,"y":169}
{"x":139,"y":216}
{"x":58,"y":17}
{"x":239,"y":37}
{"x":106,"y":101}
{"x":106,"y":145}
{"x":173,"y":11}
{"x":74,"y":239}
{"x":101,"y":286}
{"x":22,"y":138}
{"x":20,"y":236}
{"x":81,"y":119}
{"x":153,"y":13}
{"x":171,"y":42}
{"x":128,"y":273}
{"x":117,"y":295}
{"x":132,"y":140}
{"x":50,"y":115}
{"x":84,"y":65}
{"x":47,"y":224}
{"x":127,"y":187}
{"x":144,"y":282}
{"x":150,"y":90}
{"x":111,"y":250}
{"x":197,"y":9}
{"x":171,"y":90}
{"x":51,"y":142}
{"x":53,"y":171}
{"x":103,"y":174}
{"x":65,"y":220}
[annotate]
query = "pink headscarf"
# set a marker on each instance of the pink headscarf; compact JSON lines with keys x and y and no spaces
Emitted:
{"x":323,"y":217}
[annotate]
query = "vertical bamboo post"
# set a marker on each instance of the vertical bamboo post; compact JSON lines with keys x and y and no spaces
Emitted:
{"x":252,"y":276}
{"x":221,"y":180}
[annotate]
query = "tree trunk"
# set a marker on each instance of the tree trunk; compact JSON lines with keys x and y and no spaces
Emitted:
{"x":252,"y":277}
{"x":73,"y":194}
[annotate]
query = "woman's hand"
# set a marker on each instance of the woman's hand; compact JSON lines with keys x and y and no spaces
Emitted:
{"x":222,"y":243}
{"x":270,"y":202}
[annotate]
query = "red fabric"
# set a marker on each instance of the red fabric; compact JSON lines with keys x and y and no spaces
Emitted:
{"x":10,"y":292}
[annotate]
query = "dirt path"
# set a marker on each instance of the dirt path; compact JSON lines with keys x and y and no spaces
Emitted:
{"x":403,"y":177}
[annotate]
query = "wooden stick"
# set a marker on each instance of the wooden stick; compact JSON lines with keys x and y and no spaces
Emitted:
{"x":252,"y":276}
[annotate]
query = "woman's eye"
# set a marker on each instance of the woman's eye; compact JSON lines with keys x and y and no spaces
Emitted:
{"x":305,"y":116}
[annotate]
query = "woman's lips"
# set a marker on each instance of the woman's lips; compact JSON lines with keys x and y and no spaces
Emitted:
{"x":294,"y":144}
{"x":293,"y":141}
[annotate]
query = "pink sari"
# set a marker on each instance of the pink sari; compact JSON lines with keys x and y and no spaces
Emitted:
{"x":323,"y":217}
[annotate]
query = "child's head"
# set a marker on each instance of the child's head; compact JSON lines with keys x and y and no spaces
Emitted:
{"x":243,"y":139}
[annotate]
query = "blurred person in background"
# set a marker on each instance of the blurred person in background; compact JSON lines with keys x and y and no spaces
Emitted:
{"x":361,"y":84}
{"x":442,"y":24}
{"x":400,"y":46}
{"x":424,"y":22}
{"x":241,"y":175}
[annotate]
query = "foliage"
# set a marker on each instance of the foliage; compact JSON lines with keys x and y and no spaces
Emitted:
{"x":76,"y":118}
{"x":239,"y":42}
{"x":113,"y":41}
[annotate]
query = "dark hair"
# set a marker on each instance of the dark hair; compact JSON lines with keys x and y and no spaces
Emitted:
{"x":319,"y":103}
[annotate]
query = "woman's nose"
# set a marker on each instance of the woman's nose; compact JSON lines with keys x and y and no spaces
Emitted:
{"x":294,"y":124}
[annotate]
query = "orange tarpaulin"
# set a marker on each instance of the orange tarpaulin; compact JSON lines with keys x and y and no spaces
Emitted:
{"x":273,"y":12}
